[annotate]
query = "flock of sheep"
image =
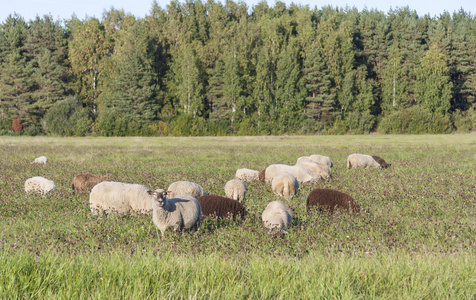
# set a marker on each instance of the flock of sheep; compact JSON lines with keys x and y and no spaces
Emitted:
{"x":184,"y":203}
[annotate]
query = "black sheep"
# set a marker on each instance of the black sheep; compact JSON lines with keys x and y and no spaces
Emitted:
{"x":329,"y":200}
{"x":221,"y":206}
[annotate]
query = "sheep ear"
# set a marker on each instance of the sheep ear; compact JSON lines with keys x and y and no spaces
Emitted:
{"x":150,"y":192}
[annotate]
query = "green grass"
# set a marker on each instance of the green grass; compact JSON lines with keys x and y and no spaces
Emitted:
{"x":416,"y":240}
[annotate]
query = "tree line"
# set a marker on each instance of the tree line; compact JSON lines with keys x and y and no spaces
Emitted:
{"x":212,"y":68}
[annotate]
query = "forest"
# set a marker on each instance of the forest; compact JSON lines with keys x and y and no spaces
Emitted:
{"x":210,"y":68}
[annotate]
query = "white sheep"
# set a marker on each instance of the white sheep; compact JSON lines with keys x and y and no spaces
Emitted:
{"x":110,"y":196}
{"x":40,"y":160}
{"x":236,"y":190}
{"x":285,"y":185}
{"x":277,"y":215}
{"x":181,"y":212}
{"x":247,"y":174}
{"x":321,"y":159}
{"x":314,"y":167}
{"x":323,"y":166}
{"x":358,"y":160}
{"x":40,"y":185}
{"x":185,"y":187}
{"x":302,"y":175}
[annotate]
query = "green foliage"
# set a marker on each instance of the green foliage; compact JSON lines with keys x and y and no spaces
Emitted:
{"x":415,"y":120}
{"x":67,"y":118}
{"x":287,"y":68}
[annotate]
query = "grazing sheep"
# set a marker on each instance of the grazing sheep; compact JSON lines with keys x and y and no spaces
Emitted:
{"x":321,"y":159}
{"x":324,"y":167}
{"x":40,"y":185}
{"x":277,"y":215}
{"x":314,"y":167}
{"x":185,"y":187}
{"x":236,"y":190}
{"x":329,"y":200}
{"x":221,"y":206}
{"x":181,"y":212}
{"x":285,"y":185}
{"x":85,"y":182}
{"x":247,"y":174}
{"x":302,"y":175}
{"x":381,"y":161}
{"x":110,"y":196}
{"x":40,"y":160}
{"x":357,"y":160}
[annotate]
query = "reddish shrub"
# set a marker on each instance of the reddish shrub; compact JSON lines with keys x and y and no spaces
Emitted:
{"x":16,"y":125}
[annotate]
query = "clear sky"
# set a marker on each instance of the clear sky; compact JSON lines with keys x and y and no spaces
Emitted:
{"x":64,"y":9}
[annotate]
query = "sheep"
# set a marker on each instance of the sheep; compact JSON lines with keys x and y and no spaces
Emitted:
{"x":40,"y":160}
{"x":357,"y":160}
{"x":221,"y":206}
{"x":302,"y":175}
{"x":321,"y":159}
{"x":277,"y":215}
{"x":110,"y":196}
{"x":381,"y":161}
{"x":185,"y":187}
{"x":236,"y":190}
{"x":182,"y":212}
{"x":247,"y":174}
{"x":85,"y":182}
{"x":315,"y":168}
{"x":285,"y":185}
{"x":329,"y":200}
{"x":40,"y":185}
{"x":324,"y":167}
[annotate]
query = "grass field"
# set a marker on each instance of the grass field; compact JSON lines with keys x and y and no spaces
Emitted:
{"x":416,"y":238}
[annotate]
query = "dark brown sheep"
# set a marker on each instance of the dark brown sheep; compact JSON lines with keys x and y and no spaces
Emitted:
{"x":381,"y":161}
{"x":329,"y":200}
{"x":261,"y":175}
{"x":85,"y":182}
{"x":221,"y":206}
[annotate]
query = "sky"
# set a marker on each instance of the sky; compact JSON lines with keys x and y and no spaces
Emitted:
{"x":64,"y":9}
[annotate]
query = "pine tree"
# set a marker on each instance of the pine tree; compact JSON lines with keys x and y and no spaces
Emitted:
{"x":433,"y":83}
{"x":320,"y":100}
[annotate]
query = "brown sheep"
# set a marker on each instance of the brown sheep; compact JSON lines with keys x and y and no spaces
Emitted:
{"x":261,"y":175}
{"x":381,"y":161}
{"x":86,"y":182}
{"x":329,"y":200}
{"x":221,"y":206}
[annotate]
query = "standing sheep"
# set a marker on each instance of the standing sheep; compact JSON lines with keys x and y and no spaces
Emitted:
{"x":381,"y":161}
{"x":277,"y":215}
{"x":302,"y":175}
{"x":185,"y":187}
{"x":329,"y":200}
{"x":221,"y":206}
{"x":285,"y":185}
{"x":40,"y":160}
{"x":357,"y":160}
{"x":236,"y":190}
{"x":181,"y":212}
{"x":85,"y":182}
{"x":40,"y":185}
{"x":110,"y":196}
{"x":247,"y":174}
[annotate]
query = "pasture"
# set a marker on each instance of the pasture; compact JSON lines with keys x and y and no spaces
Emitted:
{"x":415,"y":239}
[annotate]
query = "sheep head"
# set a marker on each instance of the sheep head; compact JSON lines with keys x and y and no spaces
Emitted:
{"x":158,"y":196}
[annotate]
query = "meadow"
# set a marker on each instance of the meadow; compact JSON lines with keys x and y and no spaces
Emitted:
{"x":416,"y":237}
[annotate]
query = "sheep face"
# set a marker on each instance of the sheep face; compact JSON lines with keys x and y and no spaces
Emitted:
{"x":158,"y":197}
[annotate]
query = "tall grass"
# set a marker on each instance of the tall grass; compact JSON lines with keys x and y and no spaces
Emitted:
{"x":416,"y":238}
